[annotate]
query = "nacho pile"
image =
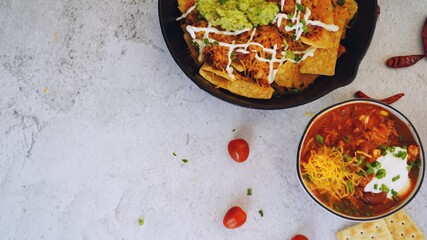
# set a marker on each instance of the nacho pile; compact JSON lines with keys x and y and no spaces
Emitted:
{"x":284,"y":56}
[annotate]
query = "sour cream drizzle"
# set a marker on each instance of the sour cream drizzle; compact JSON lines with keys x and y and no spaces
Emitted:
{"x":297,"y":26}
{"x":187,"y":12}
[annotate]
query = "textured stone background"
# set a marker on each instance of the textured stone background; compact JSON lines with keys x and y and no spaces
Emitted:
{"x":93,"y":107}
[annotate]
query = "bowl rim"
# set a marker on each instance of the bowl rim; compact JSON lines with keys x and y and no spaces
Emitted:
{"x":273,"y":103}
{"x":398,"y":114}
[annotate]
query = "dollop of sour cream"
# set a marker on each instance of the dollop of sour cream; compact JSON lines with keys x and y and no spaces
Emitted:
{"x":396,"y":180}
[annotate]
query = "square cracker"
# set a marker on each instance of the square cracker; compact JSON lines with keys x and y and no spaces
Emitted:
{"x":401,"y":226}
{"x":367,"y":230}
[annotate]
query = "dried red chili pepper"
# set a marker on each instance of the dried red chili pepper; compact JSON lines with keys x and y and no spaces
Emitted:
{"x":424,"y":36}
{"x":403,"y":61}
{"x":388,"y":100}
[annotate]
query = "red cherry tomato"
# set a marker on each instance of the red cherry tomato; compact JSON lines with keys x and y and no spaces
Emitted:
{"x":299,"y":237}
{"x":234,"y":218}
{"x":238,"y":150}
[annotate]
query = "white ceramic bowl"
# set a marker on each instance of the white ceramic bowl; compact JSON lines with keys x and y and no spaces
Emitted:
{"x":394,"y":209}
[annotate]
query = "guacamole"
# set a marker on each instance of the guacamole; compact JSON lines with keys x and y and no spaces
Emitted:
{"x":234,"y":15}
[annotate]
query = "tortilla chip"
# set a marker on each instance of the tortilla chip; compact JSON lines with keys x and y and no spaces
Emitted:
{"x":184,"y":5}
{"x":368,"y":230}
{"x":290,"y":76}
{"x":240,"y":86}
{"x":319,"y":37}
{"x":323,"y":62}
{"x":402,"y":227}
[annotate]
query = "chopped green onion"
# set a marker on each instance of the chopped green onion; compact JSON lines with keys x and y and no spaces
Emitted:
{"x":376,"y":164}
{"x":384,"y":188}
{"x":300,"y":7}
{"x":140,"y":221}
{"x":359,"y":162}
{"x":294,"y":37}
{"x":184,"y":160}
{"x":370,"y":168}
{"x":196,"y":45}
{"x":350,"y":187}
{"x":347,"y":158}
{"x":401,"y":154}
{"x":206,"y":41}
{"x":319,"y":138}
{"x":249,"y":192}
{"x":380,"y":173}
{"x":305,"y":29}
{"x":297,"y":58}
{"x":375,"y":186}
{"x":261,"y":213}
{"x":290,"y":15}
{"x":174,"y":154}
{"x":361,"y":173}
{"x":216,"y":42}
{"x":395,"y":178}
{"x":394,"y":195}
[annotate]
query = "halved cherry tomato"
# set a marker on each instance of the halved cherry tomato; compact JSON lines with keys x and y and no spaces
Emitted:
{"x":234,"y":218}
{"x":238,"y":150}
{"x":299,"y":237}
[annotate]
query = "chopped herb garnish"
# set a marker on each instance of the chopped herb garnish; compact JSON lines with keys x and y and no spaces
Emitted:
{"x":249,"y":192}
{"x":359,"y":162}
{"x":174,"y":154}
{"x":290,"y":55}
{"x":294,"y":37}
{"x":290,"y":15}
{"x":184,"y":160}
{"x":347,"y":158}
{"x":340,"y":2}
{"x":199,"y":17}
{"x":140,"y":221}
{"x":394,"y":195}
{"x":395,"y":178}
{"x":376,"y":164}
{"x":305,"y":29}
{"x":375,"y":186}
{"x":261,"y":213}
{"x":350,"y":187}
{"x":297,"y":58}
{"x":196,"y":45}
{"x":319,"y":138}
{"x":300,"y":7}
{"x":401,"y":154}
{"x":216,"y":42}
{"x":206,"y":41}
{"x":384,"y":188}
{"x":361,"y":173}
{"x":380,"y":173}
{"x":370,"y":168}
{"x":233,"y":130}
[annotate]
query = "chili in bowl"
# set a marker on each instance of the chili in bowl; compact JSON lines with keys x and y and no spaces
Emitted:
{"x":361,"y":160}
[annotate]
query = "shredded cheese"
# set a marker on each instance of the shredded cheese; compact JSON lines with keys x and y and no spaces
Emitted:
{"x":328,"y":172}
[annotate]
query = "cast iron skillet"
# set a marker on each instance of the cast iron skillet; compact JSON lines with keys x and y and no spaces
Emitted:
{"x":357,"y":41}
